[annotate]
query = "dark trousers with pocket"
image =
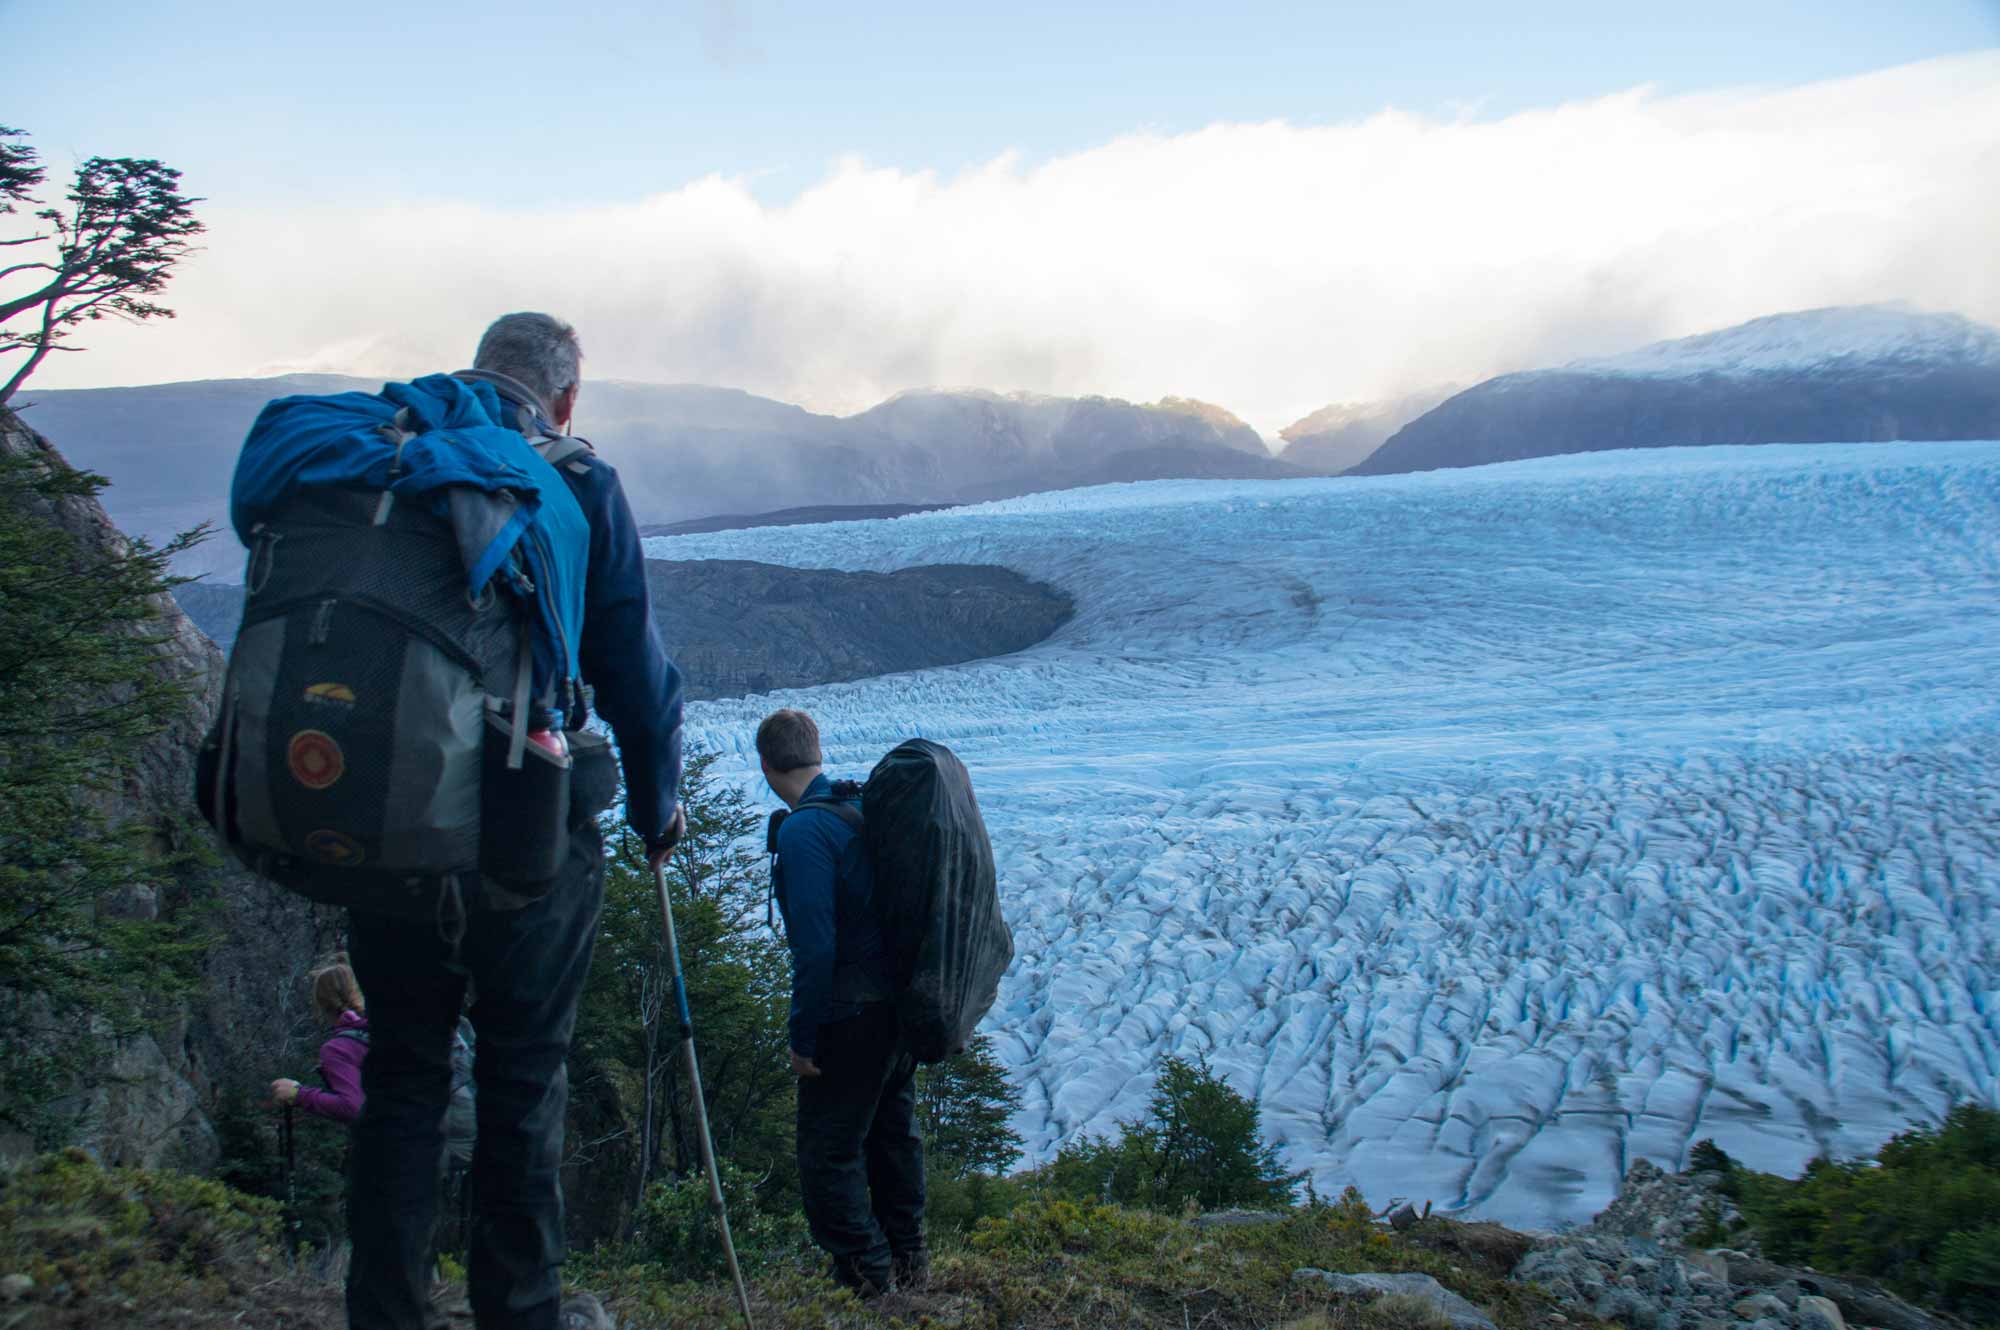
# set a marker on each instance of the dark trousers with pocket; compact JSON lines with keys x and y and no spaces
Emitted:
{"x":528,"y":966}
{"x":861,"y":1161}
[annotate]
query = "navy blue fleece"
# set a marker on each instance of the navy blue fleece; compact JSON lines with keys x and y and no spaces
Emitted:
{"x":824,"y":881}
{"x":636,"y":689}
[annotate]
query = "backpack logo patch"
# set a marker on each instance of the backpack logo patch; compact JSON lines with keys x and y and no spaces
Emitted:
{"x":335,"y":848}
{"x":315,"y":759}
{"x":336,"y":695}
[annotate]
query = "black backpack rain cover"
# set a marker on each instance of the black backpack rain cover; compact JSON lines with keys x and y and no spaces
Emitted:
{"x":937,"y":895}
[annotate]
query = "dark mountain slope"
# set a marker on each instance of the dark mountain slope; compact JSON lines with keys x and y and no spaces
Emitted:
{"x":1824,"y":376}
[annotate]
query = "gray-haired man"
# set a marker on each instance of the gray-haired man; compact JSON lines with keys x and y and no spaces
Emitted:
{"x":528,"y":964}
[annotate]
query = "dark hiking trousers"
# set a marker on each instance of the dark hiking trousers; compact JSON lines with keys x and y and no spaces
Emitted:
{"x":861,"y":1162}
{"x":529,"y":966}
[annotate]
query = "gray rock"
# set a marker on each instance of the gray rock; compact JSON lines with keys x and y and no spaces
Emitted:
{"x":15,"y":1287}
{"x":1239,"y":1218}
{"x":1626,"y":1306}
{"x":1403,"y":1217}
{"x":1462,"y":1314}
{"x":1714,"y":1264}
{"x":1816,"y":1313}
{"x":1759,"y":1305}
{"x":581,"y":1311}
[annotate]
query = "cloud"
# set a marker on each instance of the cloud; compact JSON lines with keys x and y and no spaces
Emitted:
{"x":1269,"y":267}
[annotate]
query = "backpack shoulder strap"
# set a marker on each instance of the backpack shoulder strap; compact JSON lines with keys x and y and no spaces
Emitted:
{"x":358,"y":1036}
{"x":847,"y":812}
{"x":565,"y":452}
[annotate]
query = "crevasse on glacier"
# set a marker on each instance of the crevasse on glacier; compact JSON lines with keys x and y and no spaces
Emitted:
{"x":1494,"y":828}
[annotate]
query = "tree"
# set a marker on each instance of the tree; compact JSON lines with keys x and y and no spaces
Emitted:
{"x":19,"y":174}
{"x":84,"y":690}
{"x":104,"y":255}
{"x":1200,"y":1141}
{"x":963,"y":1105}
{"x":738,"y":977}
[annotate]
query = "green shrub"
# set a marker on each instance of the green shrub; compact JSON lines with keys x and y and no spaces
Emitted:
{"x":1969,"y":1265}
{"x":1200,"y":1143}
{"x":1044,"y":1226}
{"x":677,"y":1231}
{"x":1919,"y":1217}
{"x":957,"y":1204}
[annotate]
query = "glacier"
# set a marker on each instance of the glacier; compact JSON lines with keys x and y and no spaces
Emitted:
{"x":1493,"y":828}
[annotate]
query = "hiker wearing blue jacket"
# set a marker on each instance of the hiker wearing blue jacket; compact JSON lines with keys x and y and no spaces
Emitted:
{"x":861,"y":1161}
{"x":527,"y":964}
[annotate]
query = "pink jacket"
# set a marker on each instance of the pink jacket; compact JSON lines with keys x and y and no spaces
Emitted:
{"x":340,"y":1066}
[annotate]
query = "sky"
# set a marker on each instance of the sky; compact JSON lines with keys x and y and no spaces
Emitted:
{"x":1264,"y":208}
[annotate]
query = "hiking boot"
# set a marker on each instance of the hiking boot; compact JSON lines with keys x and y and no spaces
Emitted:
{"x":848,"y":1272}
{"x":912,"y":1269}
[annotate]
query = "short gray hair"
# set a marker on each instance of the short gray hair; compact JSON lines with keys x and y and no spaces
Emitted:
{"x":539,"y":351}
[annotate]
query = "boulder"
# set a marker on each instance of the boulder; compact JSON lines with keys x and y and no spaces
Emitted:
{"x":1462,"y":1314}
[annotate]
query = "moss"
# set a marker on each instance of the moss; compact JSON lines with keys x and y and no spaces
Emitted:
{"x":121,"y":1238}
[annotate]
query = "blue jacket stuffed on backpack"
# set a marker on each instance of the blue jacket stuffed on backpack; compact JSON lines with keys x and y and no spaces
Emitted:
{"x":575,"y":539}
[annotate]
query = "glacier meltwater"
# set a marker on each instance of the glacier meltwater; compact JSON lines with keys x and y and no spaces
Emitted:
{"x":1493,"y":828}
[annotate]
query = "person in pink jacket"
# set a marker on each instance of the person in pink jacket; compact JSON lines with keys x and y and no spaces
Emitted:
{"x":337,"y":997}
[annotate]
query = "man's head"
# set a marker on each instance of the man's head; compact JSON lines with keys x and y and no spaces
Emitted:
{"x":542,"y":354}
{"x":788,"y":746}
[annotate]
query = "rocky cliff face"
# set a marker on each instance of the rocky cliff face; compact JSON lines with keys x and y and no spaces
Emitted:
{"x":154,"y":1103}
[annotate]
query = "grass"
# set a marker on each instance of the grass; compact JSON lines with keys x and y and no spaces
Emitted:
{"x":123,"y":1247}
{"x":1061,"y":1265}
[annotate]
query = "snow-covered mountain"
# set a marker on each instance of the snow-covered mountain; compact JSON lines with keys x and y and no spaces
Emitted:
{"x":1494,"y":828}
{"x":685,"y":451}
{"x":1862,"y":374}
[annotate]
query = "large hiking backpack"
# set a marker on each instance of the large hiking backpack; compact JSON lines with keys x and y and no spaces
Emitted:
{"x":412,"y":601}
{"x":936,"y":893}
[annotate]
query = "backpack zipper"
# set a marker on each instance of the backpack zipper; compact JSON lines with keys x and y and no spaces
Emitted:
{"x":322,"y":624}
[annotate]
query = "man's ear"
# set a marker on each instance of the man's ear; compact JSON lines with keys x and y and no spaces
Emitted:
{"x":565,"y":406}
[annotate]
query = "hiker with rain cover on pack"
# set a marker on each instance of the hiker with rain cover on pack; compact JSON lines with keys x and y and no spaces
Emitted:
{"x":893,"y":919}
{"x":436,"y":572}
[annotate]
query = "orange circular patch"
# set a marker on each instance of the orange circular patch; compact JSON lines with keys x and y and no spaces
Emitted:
{"x":315,"y":759}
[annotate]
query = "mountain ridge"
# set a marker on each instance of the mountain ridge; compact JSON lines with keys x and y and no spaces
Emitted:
{"x":1852,"y":374}
{"x":687,"y":452}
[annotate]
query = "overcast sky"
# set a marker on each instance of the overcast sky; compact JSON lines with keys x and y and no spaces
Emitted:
{"x":1266,"y":209}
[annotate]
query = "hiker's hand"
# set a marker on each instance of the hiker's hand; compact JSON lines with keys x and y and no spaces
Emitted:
{"x":803,"y":1067}
{"x":657,"y":851}
{"x":284,"y":1091}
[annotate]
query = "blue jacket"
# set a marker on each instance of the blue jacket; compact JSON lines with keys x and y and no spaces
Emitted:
{"x":464,"y":439}
{"x":823,"y":884}
{"x":636,"y":689}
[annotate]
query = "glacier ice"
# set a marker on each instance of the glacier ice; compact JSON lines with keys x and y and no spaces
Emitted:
{"x":1495,"y":827}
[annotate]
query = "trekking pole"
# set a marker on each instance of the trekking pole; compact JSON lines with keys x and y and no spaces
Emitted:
{"x":291,"y":1191}
{"x":694,"y":1082}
